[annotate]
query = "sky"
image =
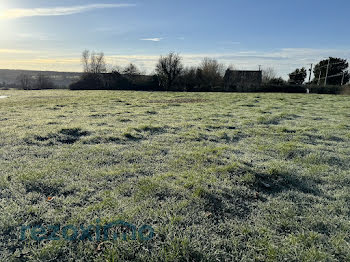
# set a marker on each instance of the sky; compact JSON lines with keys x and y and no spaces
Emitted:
{"x":282,"y":34}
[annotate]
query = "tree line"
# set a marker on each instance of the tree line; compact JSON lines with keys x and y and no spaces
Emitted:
{"x":172,"y":75}
{"x":209,"y":75}
{"x":38,"y":82}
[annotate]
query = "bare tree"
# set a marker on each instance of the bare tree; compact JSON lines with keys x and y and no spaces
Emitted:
{"x":168,"y":69}
{"x":268,"y":74}
{"x":24,"y":82}
{"x":44,"y":82}
{"x":93,"y":63}
{"x":212,"y":67}
{"x":232,"y":67}
{"x":85,"y":60}
{"x":98,"y":63}
{"x":211,"y":72}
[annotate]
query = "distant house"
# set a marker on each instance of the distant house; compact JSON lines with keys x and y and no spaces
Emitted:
{"x":242,"y":81}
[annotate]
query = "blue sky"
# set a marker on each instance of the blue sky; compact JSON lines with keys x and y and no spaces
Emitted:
{"x":283,"y":34}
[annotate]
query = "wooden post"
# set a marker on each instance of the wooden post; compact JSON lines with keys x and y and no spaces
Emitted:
{"x":325,"y":80}
{"x":342,"y":80}
{"x":310,"y":73}
{"x":319,"y":78}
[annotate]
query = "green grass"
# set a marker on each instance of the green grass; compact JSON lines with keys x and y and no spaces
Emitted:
{"x":220,"y":177}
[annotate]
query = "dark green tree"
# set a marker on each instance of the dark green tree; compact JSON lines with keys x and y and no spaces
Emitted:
{"x":188,"y":80}
{"x":337,"y":66}
{"x":278,"y":81}
{"x":298,"y":76}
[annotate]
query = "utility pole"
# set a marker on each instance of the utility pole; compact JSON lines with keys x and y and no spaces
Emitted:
{"x":259,"y":67}
{"x":310,"y":73}
{"x":342,"y":80}
{"x":325,"y":80}
{"x":319,"y":78}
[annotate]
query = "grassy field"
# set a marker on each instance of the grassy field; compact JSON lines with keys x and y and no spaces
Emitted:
{"x":220,"y":177}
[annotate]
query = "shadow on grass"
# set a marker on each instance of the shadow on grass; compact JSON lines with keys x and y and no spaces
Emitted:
{"x":226,"y":204}
{"x":274,"y":180}
{"x":64,"y":136}
{"x":47,"y":189}
{"x":103,"y":140}
{"x":278,"y":182}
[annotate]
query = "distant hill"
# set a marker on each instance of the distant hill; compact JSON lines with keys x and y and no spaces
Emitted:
{"x":59,"y":78}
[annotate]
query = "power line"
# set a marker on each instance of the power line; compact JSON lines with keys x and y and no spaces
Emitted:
{"x":334,"y":75}
{"x":329,"y":65}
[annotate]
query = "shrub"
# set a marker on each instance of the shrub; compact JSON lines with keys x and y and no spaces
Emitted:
{"x":87,"y":82}
{"x":329,"y":89}
{"x":115,"y":81}
{"x":43,"y":82}
{"x":282,"y":88}
{"x":346,"y":90}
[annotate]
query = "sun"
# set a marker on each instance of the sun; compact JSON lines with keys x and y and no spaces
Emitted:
{"x":4,"y":7}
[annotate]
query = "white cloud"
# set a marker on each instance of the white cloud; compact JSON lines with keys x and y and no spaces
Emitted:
{"x":230,"y":43}
{"x":156,"y":39}
{"x":57,"y":11}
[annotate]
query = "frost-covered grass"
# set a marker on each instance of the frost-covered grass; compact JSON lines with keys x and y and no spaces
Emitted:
{"x":219,"y":176}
